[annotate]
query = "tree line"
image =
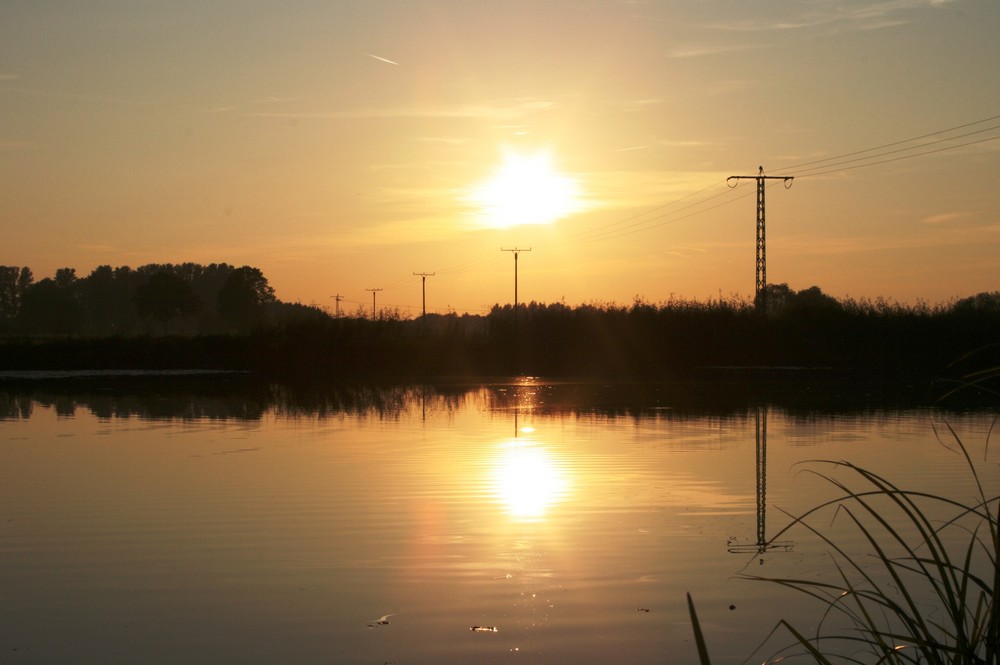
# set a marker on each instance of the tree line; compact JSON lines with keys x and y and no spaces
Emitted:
{"x":233,"y":322}
{"x":186,"y":298}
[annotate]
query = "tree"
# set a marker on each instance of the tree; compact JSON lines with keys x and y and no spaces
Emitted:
{"x":165,"y":296}
{"x":243,"y":299}
{"x":65,"y":277}
{"x":814,"y":301}
{"x":48,"y":307}
{"x":13,"y":283}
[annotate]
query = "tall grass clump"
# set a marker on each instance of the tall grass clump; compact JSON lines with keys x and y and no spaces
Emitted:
{"x":925,"y":590}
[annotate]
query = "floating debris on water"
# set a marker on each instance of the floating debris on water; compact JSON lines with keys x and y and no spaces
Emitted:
{"x":642,"y":609}
{"x":483,"y":629}
{"x":381,"y":621}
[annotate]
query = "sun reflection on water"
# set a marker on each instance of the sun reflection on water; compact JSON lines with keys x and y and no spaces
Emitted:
{"x":527,"y":479}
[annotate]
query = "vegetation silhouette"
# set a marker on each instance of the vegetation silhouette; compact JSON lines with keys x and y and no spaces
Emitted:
{"x":181,"y":299}
{"x":96,"y":322}
{"x":165,"y":296}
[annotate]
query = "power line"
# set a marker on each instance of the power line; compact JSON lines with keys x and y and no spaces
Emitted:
{"x":893,"y":144}
{"x":822,"y":165}
{"x":641,"y":222}
{"x":584,"y":235}
{"x":610,"y":232}
{"x":897,"y":159}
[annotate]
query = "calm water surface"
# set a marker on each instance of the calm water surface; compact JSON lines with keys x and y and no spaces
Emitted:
{"x":182,"y":531}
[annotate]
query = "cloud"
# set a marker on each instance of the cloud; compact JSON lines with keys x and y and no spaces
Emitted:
{"x":77,"y":96}
{"x":862,"y":17}
{"x":682,"y":51}
{"x":499,"y":111}
{"x":943,"y":237}
{"x":944,"y":217}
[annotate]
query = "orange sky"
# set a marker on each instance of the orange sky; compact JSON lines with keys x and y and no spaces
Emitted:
{"x":343,"y":146}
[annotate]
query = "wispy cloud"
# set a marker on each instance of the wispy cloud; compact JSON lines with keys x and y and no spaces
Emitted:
{"x":859,"y":16}
{"x":499,"y":111}
{"x":945,"y":217}
{"x":730,"y":86}
{"x":77,"y":96}
{"x":942,"y":237}
{"x":682,"y":51}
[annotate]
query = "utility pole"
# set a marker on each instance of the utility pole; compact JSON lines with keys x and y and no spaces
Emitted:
{"x":374,"y":291}
{"x":517,"y":334}
{"x":337,"y":298}
{"x":423,"y":279}
{"x":760,"y":294}
{"x":516,"y":251}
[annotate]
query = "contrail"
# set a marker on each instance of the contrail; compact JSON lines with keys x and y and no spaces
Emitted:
{"x":378,"y":57}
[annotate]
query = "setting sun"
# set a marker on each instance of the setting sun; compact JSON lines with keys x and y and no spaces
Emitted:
{"x":525,"y":189}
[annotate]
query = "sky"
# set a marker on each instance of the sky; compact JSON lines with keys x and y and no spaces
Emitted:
{"x":343,"y":146}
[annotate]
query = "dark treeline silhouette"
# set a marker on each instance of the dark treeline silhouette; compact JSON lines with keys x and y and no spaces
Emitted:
{"x":185,"y":298}
{"x":804,"y":334}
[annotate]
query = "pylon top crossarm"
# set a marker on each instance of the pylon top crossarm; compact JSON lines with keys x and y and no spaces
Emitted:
{"x":786,"y":178}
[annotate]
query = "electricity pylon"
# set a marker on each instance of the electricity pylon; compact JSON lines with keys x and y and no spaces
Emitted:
{"x":760,"y":292}
{"x":763,"y":545}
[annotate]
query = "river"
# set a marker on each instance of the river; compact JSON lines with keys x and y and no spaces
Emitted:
{"x":517,"y":521}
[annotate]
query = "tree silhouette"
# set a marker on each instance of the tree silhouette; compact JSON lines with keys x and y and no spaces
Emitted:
{"x":51,"y":306}
{"x":166,"y":296}
{"x":243,"y":299}
{"x":13,"y":283}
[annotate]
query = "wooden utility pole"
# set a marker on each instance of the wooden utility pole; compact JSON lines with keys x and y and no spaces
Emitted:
{"x":423,"y":283}
{"x":760,"y":291}
{"x":374,"y":291}
{"x":516,"y":251}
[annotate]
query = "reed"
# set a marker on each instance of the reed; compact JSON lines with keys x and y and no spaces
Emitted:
{"x":924,"y":592}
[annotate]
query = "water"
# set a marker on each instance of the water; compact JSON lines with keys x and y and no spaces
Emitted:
{"x":268,"y":527}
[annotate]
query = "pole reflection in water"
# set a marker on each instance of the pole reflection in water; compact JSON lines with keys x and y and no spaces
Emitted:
{"x":760,"y":468}
{"x":526,"y":478}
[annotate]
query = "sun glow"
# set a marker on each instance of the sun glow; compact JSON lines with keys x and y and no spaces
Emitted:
{"x":527,"y":480}
{"x":526,"y":189}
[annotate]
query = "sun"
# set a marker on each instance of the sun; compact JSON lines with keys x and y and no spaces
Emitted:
{"x":525,"y":189}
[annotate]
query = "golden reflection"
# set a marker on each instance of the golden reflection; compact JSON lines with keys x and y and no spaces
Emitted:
{"x":527,"y":479}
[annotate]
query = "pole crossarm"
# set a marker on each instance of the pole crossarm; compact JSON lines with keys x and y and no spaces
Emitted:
{"x":760,"y":283}
{"x":338,"y":298}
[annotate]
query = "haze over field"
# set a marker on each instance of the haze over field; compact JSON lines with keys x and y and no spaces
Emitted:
{"x":345,"y":146}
